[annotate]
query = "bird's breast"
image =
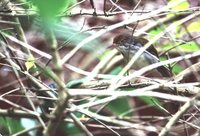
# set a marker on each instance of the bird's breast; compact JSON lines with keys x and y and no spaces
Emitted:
{"x":145,"y":59}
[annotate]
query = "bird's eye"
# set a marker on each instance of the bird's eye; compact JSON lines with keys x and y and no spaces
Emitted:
{"x":123,"y":44}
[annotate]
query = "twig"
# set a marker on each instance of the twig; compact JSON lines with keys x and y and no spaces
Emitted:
{"x":175,"y":117}
{"x":27,"y":130}
{"x":43,"y":54}
{"x":117,"y":122}
{"x":19,"y":80}
{"x":80,"y":125}
{"x":17,"y":113}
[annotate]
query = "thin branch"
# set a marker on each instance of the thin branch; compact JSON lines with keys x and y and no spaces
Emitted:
{"x":175,"y":117}
{"x":80,"y":125}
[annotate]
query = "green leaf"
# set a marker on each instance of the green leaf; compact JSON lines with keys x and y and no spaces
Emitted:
{"x":150,"y":100}
{"x":49,"y":10}
{"x":14,"y":125}
{"x":70,"y":129}
{"x":176,"y":69}
{"x":4,"y":130}
{"x":119,"y":106}
{"x":116,"y":70}
{"x":75,"y":83}
{"x":11,"y":125}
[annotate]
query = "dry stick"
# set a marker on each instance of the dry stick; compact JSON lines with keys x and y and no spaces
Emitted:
{"x":103,"y":124}
{"x":181,"y":42}
{"x":27,"y":130}
{"x":19,"y":81}
{"x":116,"y":121}
{"x":20,"y":33}
{"x":190,"y":89}
{"x":82,"y":12}
{"x":86,"y":73}
{"x":36,"y":81}
{"x":112,"y":63}
{"x":41,"y":53}
{"x":8,"y":22}
{"x":19,"y":107}
{"x":101,"y":64}
{"x":117,"y":94}
{"x":118,"y":7}
{"x":80,"y":124}
{"x":153,"y":25}
{"x":104,"y":8}
{"x":18,"y":28}
{"x":176,"y":116}
{"x":86,"y":12}
{"x":17,"y":113}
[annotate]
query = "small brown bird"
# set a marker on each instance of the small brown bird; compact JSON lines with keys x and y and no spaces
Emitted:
{"x":128,"y":46}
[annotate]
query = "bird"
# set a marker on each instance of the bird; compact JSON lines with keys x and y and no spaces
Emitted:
{"x":129,"y":45}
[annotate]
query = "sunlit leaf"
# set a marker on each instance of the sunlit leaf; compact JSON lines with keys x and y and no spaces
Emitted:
{"x":183,"y":6}
{"x":155,"y":31}
{"x":30,"y":63}
{"x":194,"y":26}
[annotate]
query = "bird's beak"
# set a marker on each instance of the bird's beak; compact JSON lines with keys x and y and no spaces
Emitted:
{"x":112,"y":46}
